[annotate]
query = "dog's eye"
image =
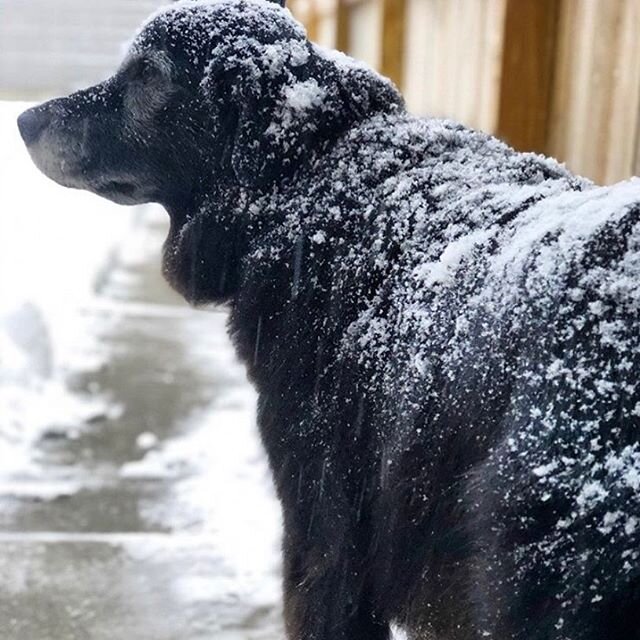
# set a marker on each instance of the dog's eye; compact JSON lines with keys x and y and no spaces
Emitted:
{"x":147,"y":85}
{"x":141,"y":70}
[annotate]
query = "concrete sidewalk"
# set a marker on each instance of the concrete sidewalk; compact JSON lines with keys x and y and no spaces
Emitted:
{"x":158,"y":522}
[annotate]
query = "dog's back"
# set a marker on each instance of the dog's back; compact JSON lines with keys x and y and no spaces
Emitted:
{"x":477,"y":308}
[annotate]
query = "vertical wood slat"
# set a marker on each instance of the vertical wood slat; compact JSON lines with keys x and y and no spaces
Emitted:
{"x":393,"y":40}
{"x":490,"y":51}
{"x":313,"y":22}
{"x":559,"y":76}
{"x":343,"y":27}
{"x":365,"y":31}
{"x":528,"y":59}
{"x":625,"y":102}
{"x":452,"y":62}
{"x":306,"y":12}
{"x":636,"y":164}
{"x":596,"y":97}
{"x":323,"y":22}
{"x":580,"y":109}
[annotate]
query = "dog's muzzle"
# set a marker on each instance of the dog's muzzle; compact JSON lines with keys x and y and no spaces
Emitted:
{"x":32,"y":123}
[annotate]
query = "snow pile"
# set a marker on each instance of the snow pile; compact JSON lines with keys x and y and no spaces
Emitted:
{"x":220,"y":485}
{"x":53,"y":244}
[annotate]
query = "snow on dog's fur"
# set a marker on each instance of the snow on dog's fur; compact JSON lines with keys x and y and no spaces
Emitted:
{"x":444,"y":333}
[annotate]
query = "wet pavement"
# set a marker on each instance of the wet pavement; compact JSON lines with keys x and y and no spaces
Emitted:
{"x":154,"y":519}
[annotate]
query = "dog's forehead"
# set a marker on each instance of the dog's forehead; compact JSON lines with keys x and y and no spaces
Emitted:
{"x":191,"y":24}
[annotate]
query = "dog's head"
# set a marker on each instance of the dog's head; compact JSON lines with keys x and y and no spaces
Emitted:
{"x":208,"y":89}
{"x":214,"y":98}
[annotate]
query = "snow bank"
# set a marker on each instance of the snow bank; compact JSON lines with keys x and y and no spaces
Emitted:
{"x":230,"y":484}
{"x":53,"y":243}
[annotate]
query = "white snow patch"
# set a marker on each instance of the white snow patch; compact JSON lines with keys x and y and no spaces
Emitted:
{"x":443,"y":270}
{"x":146,"y":440}
{"x":319,"y":237}
{"x":545,"y":469}
{"x":53,"y":244}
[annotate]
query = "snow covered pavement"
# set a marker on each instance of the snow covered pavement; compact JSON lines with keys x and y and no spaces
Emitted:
{"x":135,"y":501}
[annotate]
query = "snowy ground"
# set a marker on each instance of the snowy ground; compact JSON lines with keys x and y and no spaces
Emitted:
{"x":135,"y":501}
{"x":53,"y":244}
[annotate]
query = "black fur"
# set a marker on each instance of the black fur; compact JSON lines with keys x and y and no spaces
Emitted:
{"x":432,"y":405}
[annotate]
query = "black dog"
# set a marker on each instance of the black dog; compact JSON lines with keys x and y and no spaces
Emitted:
{"x":444,"y":333}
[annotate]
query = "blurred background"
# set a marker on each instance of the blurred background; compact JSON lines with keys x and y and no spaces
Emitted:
{"x":135,"y":501}
{"x":560,"y":77}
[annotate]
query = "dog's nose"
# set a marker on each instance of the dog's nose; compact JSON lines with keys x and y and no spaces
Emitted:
{"x":32,"y":123}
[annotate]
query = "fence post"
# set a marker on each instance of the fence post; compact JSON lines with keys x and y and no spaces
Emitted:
{"x":342,"y":26}
{"x":526,"y":83}
{"x":393,"y":40}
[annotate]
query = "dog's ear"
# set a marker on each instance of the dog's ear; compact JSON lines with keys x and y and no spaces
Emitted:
{"x":242,"y":85}
{"x":272,"y":103}
{"x":248,"y":147}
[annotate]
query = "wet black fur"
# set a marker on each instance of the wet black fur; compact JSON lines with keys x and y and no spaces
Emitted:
{"x":361,"y":547}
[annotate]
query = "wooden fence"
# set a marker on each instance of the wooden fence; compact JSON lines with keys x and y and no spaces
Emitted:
{"x":557,"y":76}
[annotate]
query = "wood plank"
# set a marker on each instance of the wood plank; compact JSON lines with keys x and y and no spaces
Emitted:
{"x":365,"y":32}
{"x":343,"y":27}
{"x":393,"y":40}
{"x":528,"y":60}
{"x":625,"y":98}
{"x":312,"y":21}
{"x":596,"y":98}
{"x":452,"y":62}
{"x":636,"y":164}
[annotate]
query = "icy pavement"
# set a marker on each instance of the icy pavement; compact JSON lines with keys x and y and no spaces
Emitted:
{"x":155,"y":518}
{"x":135,"y":501}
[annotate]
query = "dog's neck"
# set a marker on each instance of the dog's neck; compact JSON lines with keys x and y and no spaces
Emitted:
{"x":266,"y":132}
{"x":205,"y":244}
